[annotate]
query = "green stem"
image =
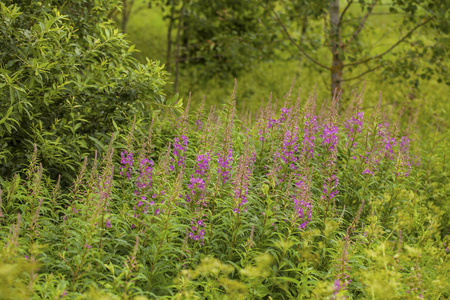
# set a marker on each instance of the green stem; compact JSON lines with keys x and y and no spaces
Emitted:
{"x":233,"y":240}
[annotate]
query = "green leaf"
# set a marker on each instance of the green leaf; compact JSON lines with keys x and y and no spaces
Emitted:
{"x":8,"y":112}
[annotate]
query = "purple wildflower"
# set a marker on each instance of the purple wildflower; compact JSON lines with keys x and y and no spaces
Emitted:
{"x":290,"y":148}
{"x":404,"y":160}
{"x":144,"y":180}
{"x":242,"y":180}
{"x":337,"y":286}
{"x":202,"y":164}
{"x":302,"y":206}
{"x":310,"y":129}
{"x":330,"y":187}
{"x":387,"y":140}
{"x":354,"y":126}
{"x":179,"y":149}
{"x":199,"y":124}
{"x":284,"y":115}
{"x":197,"y":231}
{"x":330,"y":137}
{"x":197,"y":182}
{"x":367,"y":171}
{"x":126,"y":161}
{"x":225,"y":159}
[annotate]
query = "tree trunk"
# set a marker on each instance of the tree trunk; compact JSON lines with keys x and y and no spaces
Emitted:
{"x":337,"y":64}
{"x":124,"y":16}
{"x":177,"y":62}
{"x":169,"y":38}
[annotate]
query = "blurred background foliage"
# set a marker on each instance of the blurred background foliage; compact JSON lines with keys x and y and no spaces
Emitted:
{"x":398,"y":47}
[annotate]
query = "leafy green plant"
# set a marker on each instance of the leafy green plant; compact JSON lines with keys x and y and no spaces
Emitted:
{"x":67,"y":78}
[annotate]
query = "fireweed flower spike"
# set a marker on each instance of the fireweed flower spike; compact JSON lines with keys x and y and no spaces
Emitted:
{"x":387,"y":141}
{"x":195,"y":197}
{"x":355,"y":124}
{"x":198,"y":179}
{"x":199,"y":115}
{"x":145,"y":178}
{"x":225,"y":160}
{"x":290,"y":148}
{"x":309,"y":130}
{"x":404,"y":160}
{"x":180,"y":145}
{"x":329,"y":141}
{"x":197,"y":231}
{"x":126,"y":161}
{"x":302,"y":205}
{"x":242,"y":179}
{"x":370,"y":157}
{"x":225,"y":157}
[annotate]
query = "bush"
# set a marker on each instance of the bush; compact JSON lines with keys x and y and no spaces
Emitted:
{"x":66,"y":79}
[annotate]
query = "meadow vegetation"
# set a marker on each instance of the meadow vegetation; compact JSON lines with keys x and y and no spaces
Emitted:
{"x":301,"y":203}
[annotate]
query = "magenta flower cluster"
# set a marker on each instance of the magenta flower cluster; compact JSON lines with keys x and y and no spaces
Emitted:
{"x":354,"y":126}
{"x":310,"y":129}
{"x":242,"y":181}
{"x":284,"y":115}
{"x":142,"y":184}
{"x":179,"y":151}
{"x":225,"y":160}
{"x":290,"y":148}
{"x":330,"y":187}
{"x":126,"y":162}
{"x":387,"y":140}
{"x":144,"y":180}
{"x":330,"y":137}
{"x":197,"y":231}
{"x":197,"y":182}
{"x":303,"y":207}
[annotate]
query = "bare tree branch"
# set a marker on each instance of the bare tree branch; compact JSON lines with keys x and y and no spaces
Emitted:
{"x":361,"y":25}
{"x":348,"y":20}
{"x":349,"y":3}
{"x":361,"y":75}
{"x":297,"y":45}
{"x":391,"y":48}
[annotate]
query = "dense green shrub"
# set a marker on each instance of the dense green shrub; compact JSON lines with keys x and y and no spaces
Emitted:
{"x":296,"y":204}
{"x":66,"y":78}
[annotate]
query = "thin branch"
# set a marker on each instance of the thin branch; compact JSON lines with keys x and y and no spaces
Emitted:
{"x":297,"y":45}
{"x":361,"y":75}
{"x":349,"y":3}
{"x":112,"y":13}
{"x":348,"y":20}
{"x":361,"y":25}
{"x":325,"y":83}
{"x":391,"y":48}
